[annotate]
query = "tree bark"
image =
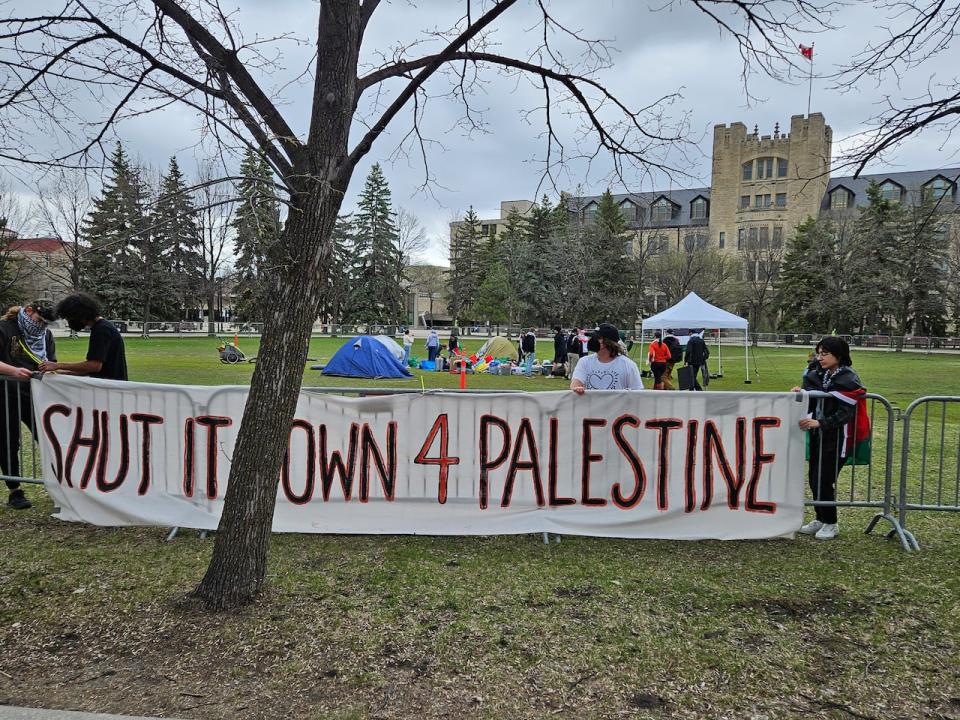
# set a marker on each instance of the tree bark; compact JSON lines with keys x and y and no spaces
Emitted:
{"x":238,"y":567}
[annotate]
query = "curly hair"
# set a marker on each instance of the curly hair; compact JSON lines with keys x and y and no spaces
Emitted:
{"x":79,"y":307}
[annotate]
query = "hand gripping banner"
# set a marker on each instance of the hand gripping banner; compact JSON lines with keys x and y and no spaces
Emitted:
{"x":616,"y":464}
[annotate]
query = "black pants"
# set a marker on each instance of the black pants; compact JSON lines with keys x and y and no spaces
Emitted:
{"x":19,"y":408}
{"x":658,"y":369}
{"x":825,"y":464}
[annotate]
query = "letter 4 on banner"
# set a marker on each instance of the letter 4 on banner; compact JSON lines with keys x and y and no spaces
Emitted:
{"x":615,"y":464}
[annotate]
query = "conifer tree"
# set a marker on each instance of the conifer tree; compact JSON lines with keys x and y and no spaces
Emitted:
{"x":874,"y":274}
{"x":333,"y":304}
{"x":176,"y":236}
{"x":375,"y":294}
{"x":465,"y":274}
{"x":113,"y":230}
{"x":923,"y":271}
{"x":256,"y":223}
{"x":610,"y":293}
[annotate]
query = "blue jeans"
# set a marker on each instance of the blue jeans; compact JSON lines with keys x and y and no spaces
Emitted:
{"x":406,"y":355}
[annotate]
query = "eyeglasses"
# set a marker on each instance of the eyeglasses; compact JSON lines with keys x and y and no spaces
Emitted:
{"x":824,"y":352}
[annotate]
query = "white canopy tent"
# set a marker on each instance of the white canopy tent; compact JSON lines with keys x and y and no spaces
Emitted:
{"x":695,"y":312}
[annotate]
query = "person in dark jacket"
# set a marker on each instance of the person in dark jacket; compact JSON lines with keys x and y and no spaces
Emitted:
{"x":106,"y":357}
{"x":695,"y":355}
{"x":25,"y":342}
{"x":559,"y":347}
{"x":832,"y":424}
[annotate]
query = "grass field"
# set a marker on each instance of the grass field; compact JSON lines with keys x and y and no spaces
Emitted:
{"x":502,"y":627}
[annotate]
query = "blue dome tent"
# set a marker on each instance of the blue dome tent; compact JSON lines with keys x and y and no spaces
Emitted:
{"x":365,"y":357}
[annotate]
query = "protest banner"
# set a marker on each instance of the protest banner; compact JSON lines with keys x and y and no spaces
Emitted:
{"x":617,"y":464}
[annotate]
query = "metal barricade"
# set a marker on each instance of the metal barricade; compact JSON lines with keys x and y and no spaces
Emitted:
{"x":19,"y":453}
{"x":834,"y":468}
{"x":930,"y":477}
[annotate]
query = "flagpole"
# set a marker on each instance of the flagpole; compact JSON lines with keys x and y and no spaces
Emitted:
{"x":810,"y":88}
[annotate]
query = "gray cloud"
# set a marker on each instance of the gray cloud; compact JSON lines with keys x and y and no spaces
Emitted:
{"x":657,"y":53}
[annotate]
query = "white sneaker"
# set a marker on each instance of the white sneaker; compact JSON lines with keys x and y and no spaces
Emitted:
{"x":811,"y":528}
{"x":828,"y":532}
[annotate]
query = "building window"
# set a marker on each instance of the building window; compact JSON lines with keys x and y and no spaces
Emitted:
{"x":937,"y":188}
{"x":698,"y":209}
{"x":590,"y":212}
{"x":657,"y":245}
{"x":752,"y":238}
{"x":764,"y":168}
{"x":628,"y":210}
{"x":761,"y":201}
{"x":748,"y":170}
{"x":723,"y":239}
{"x":839,"y":199}
{"x":781,"y":168}
{"x":694,"y":241}
{"x":764,"y":237}
{"x":890,"y":191}
{"x":741,"y":236}
{"x":662,"y":210}
{"x":777,"y":237}
{"x":744,"y":202}
{"x":781,"y":200}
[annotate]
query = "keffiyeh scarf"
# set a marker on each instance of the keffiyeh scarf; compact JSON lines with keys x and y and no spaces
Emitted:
{"x":34,"y":335}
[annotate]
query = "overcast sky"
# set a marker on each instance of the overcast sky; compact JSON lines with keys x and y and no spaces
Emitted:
{"x":676,"y":50}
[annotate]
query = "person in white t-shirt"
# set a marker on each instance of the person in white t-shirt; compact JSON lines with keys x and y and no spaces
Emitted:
{"x":407,"y":346}
{"x":609,"y":368}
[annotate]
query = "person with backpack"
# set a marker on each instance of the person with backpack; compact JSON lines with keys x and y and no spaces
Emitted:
{"x":658,"y":355}
{"x":696,"y":355}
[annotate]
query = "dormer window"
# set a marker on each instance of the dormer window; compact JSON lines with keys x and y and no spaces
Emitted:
{"x":889,"y":190}
{"x":662,"y":210}
{"x":937,"y":189}
{"x":698,"y":209}
{"x":590,"y":212}
{"x":839,"y":198}
{"x":629,"y":211}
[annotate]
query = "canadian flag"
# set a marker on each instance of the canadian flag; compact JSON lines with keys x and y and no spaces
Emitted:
{"x":807,"y":52}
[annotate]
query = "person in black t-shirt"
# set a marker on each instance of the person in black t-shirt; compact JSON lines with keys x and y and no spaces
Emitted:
{"x":106,"y":357}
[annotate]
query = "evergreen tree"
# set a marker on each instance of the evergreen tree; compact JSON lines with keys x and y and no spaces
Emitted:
{"x":536,"y":276}
{"x":611,"y":296}
{"x":466,"y":249}
{"x":256,"y":223}
{"x":179,"y":243}
{"x":513,"y":251}
{"x":114,"y":231}
{"x":333,"y":303}
{"x":494,"y":298}
{"x":874,"y":273}
{"x":375,"y":293}
{"x":923,"y":271}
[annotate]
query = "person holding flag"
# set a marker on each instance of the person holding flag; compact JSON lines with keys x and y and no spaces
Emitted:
{"x":839,"y":428}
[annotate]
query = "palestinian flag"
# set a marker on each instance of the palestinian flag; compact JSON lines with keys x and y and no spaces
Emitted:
{"x":856,"y":433}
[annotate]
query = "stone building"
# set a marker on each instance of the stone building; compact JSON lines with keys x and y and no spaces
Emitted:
{"x":40,"y":266}
{"x":761,"y":188}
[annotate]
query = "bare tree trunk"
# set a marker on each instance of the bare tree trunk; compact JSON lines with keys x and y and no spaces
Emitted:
{"x":239,"y":564}
{"x":238,"y":568}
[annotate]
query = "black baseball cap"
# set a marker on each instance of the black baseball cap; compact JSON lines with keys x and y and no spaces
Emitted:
{"x":608,"y":332}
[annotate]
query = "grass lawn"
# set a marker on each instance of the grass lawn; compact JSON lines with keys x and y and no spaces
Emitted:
{"x":501,"y":627}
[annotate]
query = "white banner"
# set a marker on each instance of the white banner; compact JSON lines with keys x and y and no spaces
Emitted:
{"x":683,"y":465}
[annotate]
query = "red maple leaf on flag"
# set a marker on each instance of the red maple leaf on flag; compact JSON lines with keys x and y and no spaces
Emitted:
{"x":807,"y":52}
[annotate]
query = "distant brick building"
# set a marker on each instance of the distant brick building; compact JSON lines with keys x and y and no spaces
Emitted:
{"x":41,"y":266}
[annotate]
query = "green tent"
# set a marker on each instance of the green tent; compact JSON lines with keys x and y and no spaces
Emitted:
{"x":498,"y":347}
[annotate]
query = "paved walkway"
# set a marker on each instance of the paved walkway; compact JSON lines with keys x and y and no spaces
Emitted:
{"x":18,"y":713}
